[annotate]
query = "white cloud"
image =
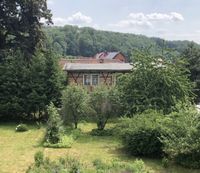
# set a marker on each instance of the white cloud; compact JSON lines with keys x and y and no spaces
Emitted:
{"x":148,"y":20}
{"x":79,"y":18}
{"x":50,"y":2}
{"x":134,"y":23}
{"x":58,"y":21}
{"x":173,"y":16}
{"x":76,"y":19}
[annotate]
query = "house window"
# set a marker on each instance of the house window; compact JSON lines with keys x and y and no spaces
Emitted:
{"x":95,"y":80}
{"x":87,"y":79}
{"x":91,"y":79}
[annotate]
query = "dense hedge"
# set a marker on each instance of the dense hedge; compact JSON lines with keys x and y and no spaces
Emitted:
{"x":141,"y":134}
{"x":143,"y":142}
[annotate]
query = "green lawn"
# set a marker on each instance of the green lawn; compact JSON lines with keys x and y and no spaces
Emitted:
{"x":17,"y":150}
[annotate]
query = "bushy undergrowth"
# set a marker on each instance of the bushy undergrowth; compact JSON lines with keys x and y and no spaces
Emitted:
{"x":21,"y":128}
{"x":116,"y":166}
{"x":44,"y":165}
{"x":141,"y":134}
{"x":182,"y":138}
{"x":72,"y":165}
{"x":175,"y":136}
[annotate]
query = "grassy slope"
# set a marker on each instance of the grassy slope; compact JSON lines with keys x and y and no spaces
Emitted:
{"x":17,"y":150}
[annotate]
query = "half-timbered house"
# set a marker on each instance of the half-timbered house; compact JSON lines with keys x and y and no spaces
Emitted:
{"x":101,"y":69}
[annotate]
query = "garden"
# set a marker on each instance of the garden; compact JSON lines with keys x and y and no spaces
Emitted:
{"x":135,"y":126}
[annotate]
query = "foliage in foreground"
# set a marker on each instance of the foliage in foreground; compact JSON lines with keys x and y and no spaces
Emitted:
{"x":175,"y":136}
{"x":141,"y":134}
{"x":182,"y":137}
{"x":72,"y":165}
{"x":156,"y":82}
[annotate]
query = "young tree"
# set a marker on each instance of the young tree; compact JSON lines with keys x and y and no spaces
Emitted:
{"x":105,"y":103}
{"x":53,"y":125}
{"x":75,"y":104}
{"x":154,"y":83}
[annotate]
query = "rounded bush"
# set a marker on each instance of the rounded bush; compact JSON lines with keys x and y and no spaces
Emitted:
{"x":143,"y":142}
{"x":21,"y":128}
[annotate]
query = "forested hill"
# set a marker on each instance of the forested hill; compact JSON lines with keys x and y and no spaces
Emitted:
{"x":75,"y":41}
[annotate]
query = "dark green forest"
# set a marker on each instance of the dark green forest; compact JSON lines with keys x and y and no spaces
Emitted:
{"x":76,"y":41}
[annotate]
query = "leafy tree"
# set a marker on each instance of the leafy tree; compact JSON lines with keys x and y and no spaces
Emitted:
{"x":21,"y":26}
{"x":192,"y":55}
{"x":75,"y":104}
{"x":105,"y":103}
{"x":154,"y":83}
{"x":14,"y":81}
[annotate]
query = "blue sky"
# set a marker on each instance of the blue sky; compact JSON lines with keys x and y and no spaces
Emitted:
{"x":169,"y":19}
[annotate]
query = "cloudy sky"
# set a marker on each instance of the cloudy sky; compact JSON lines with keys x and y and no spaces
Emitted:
{"x":169,"y":19}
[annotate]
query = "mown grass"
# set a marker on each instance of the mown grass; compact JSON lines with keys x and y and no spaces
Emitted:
{"x":17,"y":150}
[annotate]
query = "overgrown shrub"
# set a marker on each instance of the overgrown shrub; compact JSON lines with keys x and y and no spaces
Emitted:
{"x":21,"y":128}
{"x":182,"y":137}
{"x":141,"y":134}
{"x":65,"y":165}
{"x":143,"y":142}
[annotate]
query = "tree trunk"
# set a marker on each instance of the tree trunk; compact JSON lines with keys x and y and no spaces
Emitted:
{"x":75,"y":125}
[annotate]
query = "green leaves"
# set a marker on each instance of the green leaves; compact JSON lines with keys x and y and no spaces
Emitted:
{"x":75,"y":104}
{"x":182,"y":137}
{"x":105,"y":103}
{"x":155,"y":83}
{"x":21,"y":27}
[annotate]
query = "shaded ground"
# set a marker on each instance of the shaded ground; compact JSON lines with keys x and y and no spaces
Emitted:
{"x":17,"y":150}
